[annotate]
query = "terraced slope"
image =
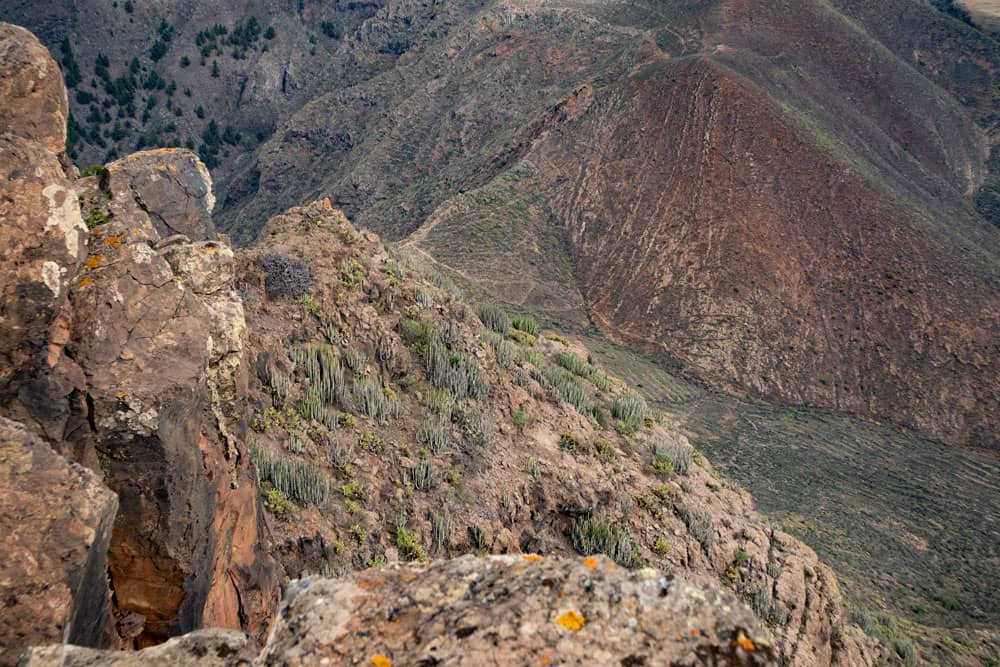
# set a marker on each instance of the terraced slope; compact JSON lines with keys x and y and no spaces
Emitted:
{"x":909,"y":525}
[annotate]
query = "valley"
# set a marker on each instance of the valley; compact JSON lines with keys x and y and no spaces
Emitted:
{"x":909,"y":525}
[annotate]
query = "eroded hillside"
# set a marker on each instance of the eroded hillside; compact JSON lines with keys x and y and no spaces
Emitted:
{"x":315,"y":404}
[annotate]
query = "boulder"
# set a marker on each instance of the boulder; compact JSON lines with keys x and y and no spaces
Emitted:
{"x":514,"y":610}
{"x":55,"y":526}
{"x":170,"y":185}
{"x":33,"y":102}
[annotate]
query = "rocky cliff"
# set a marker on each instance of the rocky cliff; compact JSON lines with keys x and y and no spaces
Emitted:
{"x":349,"y":391}
{"x":122,"y":350}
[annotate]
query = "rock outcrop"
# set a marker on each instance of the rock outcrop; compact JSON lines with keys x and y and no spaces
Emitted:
{"x":514,"y":610}
{"x":123,"y":346}
{"x":172,"y":186}
{"x":35,"y":105}
{"x":55,"y":523}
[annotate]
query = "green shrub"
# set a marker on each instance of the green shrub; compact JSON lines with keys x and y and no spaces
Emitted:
{"x":416,"y":334}
{"x":375,"y":401}
{"x":352,"y":274}
{"x":494,"y":317}
{"x":296,"y":479}
{"x":423,"y":477}
{"x":592,"y":535}
{"x":575,"y":364}
{"x":700,"y":525}
{"x":432,"y":433}
{"x":521,"y":419}
{"x":672,"y":457}
{"x":568,"y":442}
{"x":408,"y":544}
{"x":353,"y":490}
{"x":660,"y":546}
{"x":322,"y":367}
{"x":630,"y":408}
{"x":522,"y":337}
{"x":605,"y":452}
{"x":95,"y":217}
{"x":277,"y":503}
{"x":525,"y":324}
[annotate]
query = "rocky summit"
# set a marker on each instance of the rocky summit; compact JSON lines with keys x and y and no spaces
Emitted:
{"x":382,"y":428}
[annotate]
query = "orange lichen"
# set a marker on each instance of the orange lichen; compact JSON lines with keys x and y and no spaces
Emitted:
{"x":122,"y":394}
{"x":86,"y":281}
{"x":94,"y":261}
{"x":381,"y":661}
{"x":532,"y":558}
{"x":747,"y":644}
{"x":695,"y":632}
{"x":571,"y":620}
{"x":113,"y":241}
{"x":211,"y":247}
{"x":590,"y":561}
{"x":545,"y":661}
{"x":326,"y":203}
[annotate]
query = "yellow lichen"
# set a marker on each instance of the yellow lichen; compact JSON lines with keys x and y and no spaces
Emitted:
{"x":86,"y":281}
{"x":571,"y":620}
{"x":532,"y":558}
{"x":381,"y":661}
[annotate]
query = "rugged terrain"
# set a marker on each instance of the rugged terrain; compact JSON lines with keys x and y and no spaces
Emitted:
{"x":202,"y":421}
{"x":791,"y":200}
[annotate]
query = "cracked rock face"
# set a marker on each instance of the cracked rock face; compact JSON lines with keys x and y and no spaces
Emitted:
{"x":55,"y":523}
{"x":171,"y":185}
{"x":130,"y":364}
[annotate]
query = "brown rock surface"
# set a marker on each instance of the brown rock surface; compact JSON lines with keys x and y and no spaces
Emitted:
{"x":170,"y":185}
{"x":34,"y":98}
{"x":162,"y":354}
{"x":514,"y":610}
{"x":42,"y":241}
{"x":130,"y":367}
{"x":734,"y":270}
{"x":55,"y":526}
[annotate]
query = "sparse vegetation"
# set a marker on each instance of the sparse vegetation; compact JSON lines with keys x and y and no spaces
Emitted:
{"x":593,"y":535}
{"x":375,"y":401}
{"x":493,"y":317}
{"x":296,"y":479}
{"x":286,"y":276}
{"x":526,"y":325}
{"x":699,"y":524}
{"x":630,"y":408}
{"x":671,"y":456}
{"x":409,"y":547}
